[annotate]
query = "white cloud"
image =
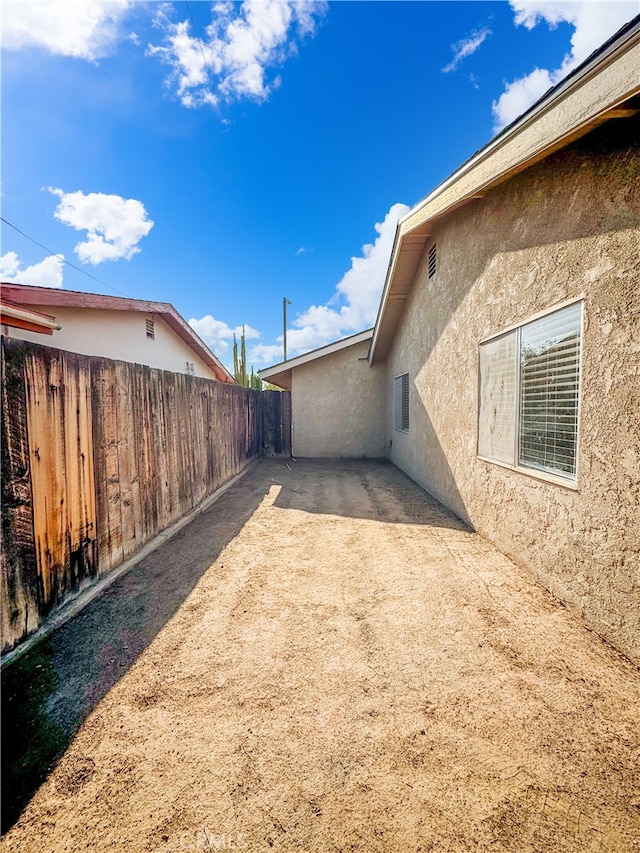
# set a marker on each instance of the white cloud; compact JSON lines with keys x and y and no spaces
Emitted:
{"x":48,"y":273}
{"x":519,"y":95}
{"x":354,"y":305}
{"x":593,"y":23}
{"x":231,"y":58}
{"x":115,"y":225}
{"x":264,"y":354}
{"x":351,"y":309}
{"x":466,"y":47}
{"x":83,"y":29}
{"x":218,"y":335}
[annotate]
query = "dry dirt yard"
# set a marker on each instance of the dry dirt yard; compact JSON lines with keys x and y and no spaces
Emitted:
{"x":327,"y":660}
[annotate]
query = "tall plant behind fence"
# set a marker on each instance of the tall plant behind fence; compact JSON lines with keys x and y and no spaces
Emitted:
{"x":99,"y":456}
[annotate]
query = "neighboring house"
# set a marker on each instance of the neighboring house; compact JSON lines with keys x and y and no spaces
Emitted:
{"x":337,"y":401}
{"x":134,"y":330}
{"x":508,"y":336}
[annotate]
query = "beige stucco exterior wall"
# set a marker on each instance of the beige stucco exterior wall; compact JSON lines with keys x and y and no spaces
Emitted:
{"x":338,"y":405}
{"x":120,"y":335}
{"x":567,"y":227}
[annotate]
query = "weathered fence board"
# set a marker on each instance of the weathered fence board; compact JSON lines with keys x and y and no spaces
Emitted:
{"x":276,"y":423}
{"x":107,"y":475}
{"x":99,"y":456}
{"x":58,"y":400}
{"x":20,"y":611}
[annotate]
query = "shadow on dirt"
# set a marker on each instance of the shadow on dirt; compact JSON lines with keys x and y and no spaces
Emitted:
{"x":53,"y":687}
{"x":373,"y":489}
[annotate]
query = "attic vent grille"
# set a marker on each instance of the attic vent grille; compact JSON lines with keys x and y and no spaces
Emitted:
{"x":150,"y":328}
{"x":432,"y":261}
{"x":401,"y":388}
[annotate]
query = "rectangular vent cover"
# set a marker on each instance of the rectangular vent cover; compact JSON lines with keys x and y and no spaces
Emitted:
{"x":432,"y":261}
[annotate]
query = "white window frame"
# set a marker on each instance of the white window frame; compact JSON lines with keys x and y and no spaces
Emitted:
{"x":569,"y":481}
{"x":398,"y":402}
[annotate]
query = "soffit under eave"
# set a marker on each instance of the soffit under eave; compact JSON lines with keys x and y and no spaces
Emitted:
{"x":282,"y":380}
{"x":409,"y":254}
{"x":596,"y":99}
{"x":408,"y":257}
{"x":600,"y":96}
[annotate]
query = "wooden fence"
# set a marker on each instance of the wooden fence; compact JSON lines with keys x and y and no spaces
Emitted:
{"x":99,"y":456}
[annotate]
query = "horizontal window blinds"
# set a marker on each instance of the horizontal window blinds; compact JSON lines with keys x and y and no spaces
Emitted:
{"x":549,"y":386}
{"x":529,"y":394}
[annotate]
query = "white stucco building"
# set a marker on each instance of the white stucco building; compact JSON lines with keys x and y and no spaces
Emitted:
{"x":134,"y":330}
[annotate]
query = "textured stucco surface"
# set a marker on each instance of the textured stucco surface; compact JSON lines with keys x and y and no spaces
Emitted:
{"x":567,"y":227}
{"x":338,"y":405}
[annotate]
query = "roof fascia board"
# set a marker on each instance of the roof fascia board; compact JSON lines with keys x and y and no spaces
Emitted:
{"x":31,"y":295}
{"x":329,"y":349}
{"x":191,"y":338}
{"x":617,"y":78}
{"x":554,"y":121}
{"x":13,"y":310}
{"x":395,"y":251}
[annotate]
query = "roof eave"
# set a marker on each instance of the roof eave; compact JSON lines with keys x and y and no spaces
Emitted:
{"x":192,"y":339}
{"x":28,"y":294}
{"x":280,"y":373}
{"x":18,"y":317}
{"x":514,"y":149}
{"x":283,"y":379}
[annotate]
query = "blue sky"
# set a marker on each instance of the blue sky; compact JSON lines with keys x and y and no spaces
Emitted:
{"x":222,"y":156}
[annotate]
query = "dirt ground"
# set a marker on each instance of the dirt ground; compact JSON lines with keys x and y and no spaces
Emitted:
{"x":326,"y":660}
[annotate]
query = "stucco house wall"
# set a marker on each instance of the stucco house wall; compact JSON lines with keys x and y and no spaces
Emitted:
{"x":119,"y":335}
{"x":338,"y":405}
{"x":566,"y":227}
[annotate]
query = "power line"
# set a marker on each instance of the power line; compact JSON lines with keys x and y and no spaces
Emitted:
{"x":61,"y":257}
{"x":195,"y":29}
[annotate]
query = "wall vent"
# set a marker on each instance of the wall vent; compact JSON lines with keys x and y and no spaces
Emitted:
{"x":151,"y":333}
{"x":432,"y":261}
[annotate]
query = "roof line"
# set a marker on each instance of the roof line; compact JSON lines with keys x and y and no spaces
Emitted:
{"x":334,"y":346}
{"x":57,"y":297}
{"x":624,"y":40}
{"x":10,"y":310}
{"x":596,"y":58}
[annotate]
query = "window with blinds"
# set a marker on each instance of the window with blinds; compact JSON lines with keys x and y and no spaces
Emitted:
{"x":497,"y":424}
{"x":401,"y":408}
{"x":529,"y":394}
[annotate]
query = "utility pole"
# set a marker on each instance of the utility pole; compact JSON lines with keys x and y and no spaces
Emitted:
{"x":285,"y":302}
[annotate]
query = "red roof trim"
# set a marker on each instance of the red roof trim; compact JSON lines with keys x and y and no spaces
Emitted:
{"x":28,"y":294}
{"x":10,"y":302}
